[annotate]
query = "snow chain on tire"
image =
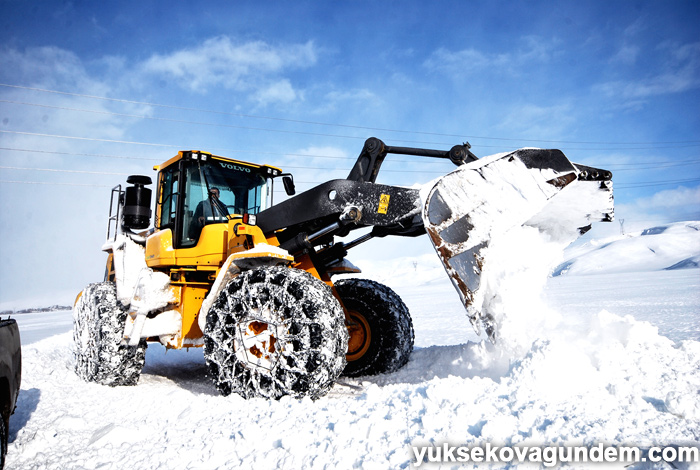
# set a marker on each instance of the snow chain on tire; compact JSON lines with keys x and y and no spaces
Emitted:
{"x":387,"y":323}
{"x":98,"y":328}
{"x":275,"y":331}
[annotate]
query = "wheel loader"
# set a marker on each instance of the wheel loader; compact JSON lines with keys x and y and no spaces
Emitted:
{"x":225,"y":268}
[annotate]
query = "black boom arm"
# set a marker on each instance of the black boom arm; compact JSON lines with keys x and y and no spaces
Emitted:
{"x":319,"y":213}
{"x":374,"y":151}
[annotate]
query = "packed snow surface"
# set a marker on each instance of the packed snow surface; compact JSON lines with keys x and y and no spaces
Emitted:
{"x":606,"y":358}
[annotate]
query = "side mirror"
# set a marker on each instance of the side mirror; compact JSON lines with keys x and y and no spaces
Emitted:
{"x":288,"y":182}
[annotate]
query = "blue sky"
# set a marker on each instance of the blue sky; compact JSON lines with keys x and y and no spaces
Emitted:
{"x":93,"y":91}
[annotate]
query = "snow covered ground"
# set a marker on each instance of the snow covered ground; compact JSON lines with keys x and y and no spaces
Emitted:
{"x":615,"y":360}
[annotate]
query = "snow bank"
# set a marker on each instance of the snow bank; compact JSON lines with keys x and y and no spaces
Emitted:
{"x":616,"y":381}
{"x":673,"y":246}
{"x":554,"y":377}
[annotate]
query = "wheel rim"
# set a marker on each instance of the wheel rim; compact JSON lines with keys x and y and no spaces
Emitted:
{"x":257,"y":343}
{"x":360,"y":336}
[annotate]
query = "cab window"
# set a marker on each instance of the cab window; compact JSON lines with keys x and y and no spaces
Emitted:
{"x":214,"y":191}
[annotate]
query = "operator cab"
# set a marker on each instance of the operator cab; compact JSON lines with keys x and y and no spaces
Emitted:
{"x":197,"y":189}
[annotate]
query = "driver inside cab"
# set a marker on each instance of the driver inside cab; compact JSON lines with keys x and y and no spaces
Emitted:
{"x":208,"y":211}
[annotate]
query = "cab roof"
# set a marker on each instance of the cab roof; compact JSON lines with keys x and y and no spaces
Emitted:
{"x":203,"y":156}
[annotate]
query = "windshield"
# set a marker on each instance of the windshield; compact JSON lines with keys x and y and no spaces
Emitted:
{"x":215,"y":189}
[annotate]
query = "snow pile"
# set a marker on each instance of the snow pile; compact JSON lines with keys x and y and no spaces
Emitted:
{"x":673,"y":246}
{"x":572,"y":369}
{"x":616,"y":382}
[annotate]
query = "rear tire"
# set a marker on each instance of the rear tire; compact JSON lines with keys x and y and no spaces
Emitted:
{"x":383,"y":336}
{"x":275,"y":331}
{"x":98,"y":330}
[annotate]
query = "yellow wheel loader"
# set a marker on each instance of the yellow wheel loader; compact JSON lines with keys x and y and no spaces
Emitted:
{"x":224,"y":268}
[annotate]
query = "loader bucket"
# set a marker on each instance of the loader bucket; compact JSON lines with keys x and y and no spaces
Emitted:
{"x":484,"y":199}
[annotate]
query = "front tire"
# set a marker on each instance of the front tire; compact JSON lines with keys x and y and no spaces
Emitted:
{"x":98,"y":330}
{"x":275,"y":331}
{"x":381,"y":331}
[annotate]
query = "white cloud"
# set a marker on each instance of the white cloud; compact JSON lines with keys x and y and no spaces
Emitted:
{"x":346,"y":99}
{"x":317,"y":164}
{"x":531,"y":121}
{"x":466,"y":58}
{"x":48,"y":67}
{"x":673,"y":198}
{"x":626,"y":55}
{"x":680,"y":73}
{"x":56,"y":190}
{"x":280,"y":92}
{"x":52,"y":68}
{"x":533,"y":50}
{"x":243,"y":67}
{"x":670,"y":205}
{"x":350,"y":95}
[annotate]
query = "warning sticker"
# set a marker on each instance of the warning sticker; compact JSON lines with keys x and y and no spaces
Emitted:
{"x":383,"y":203}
